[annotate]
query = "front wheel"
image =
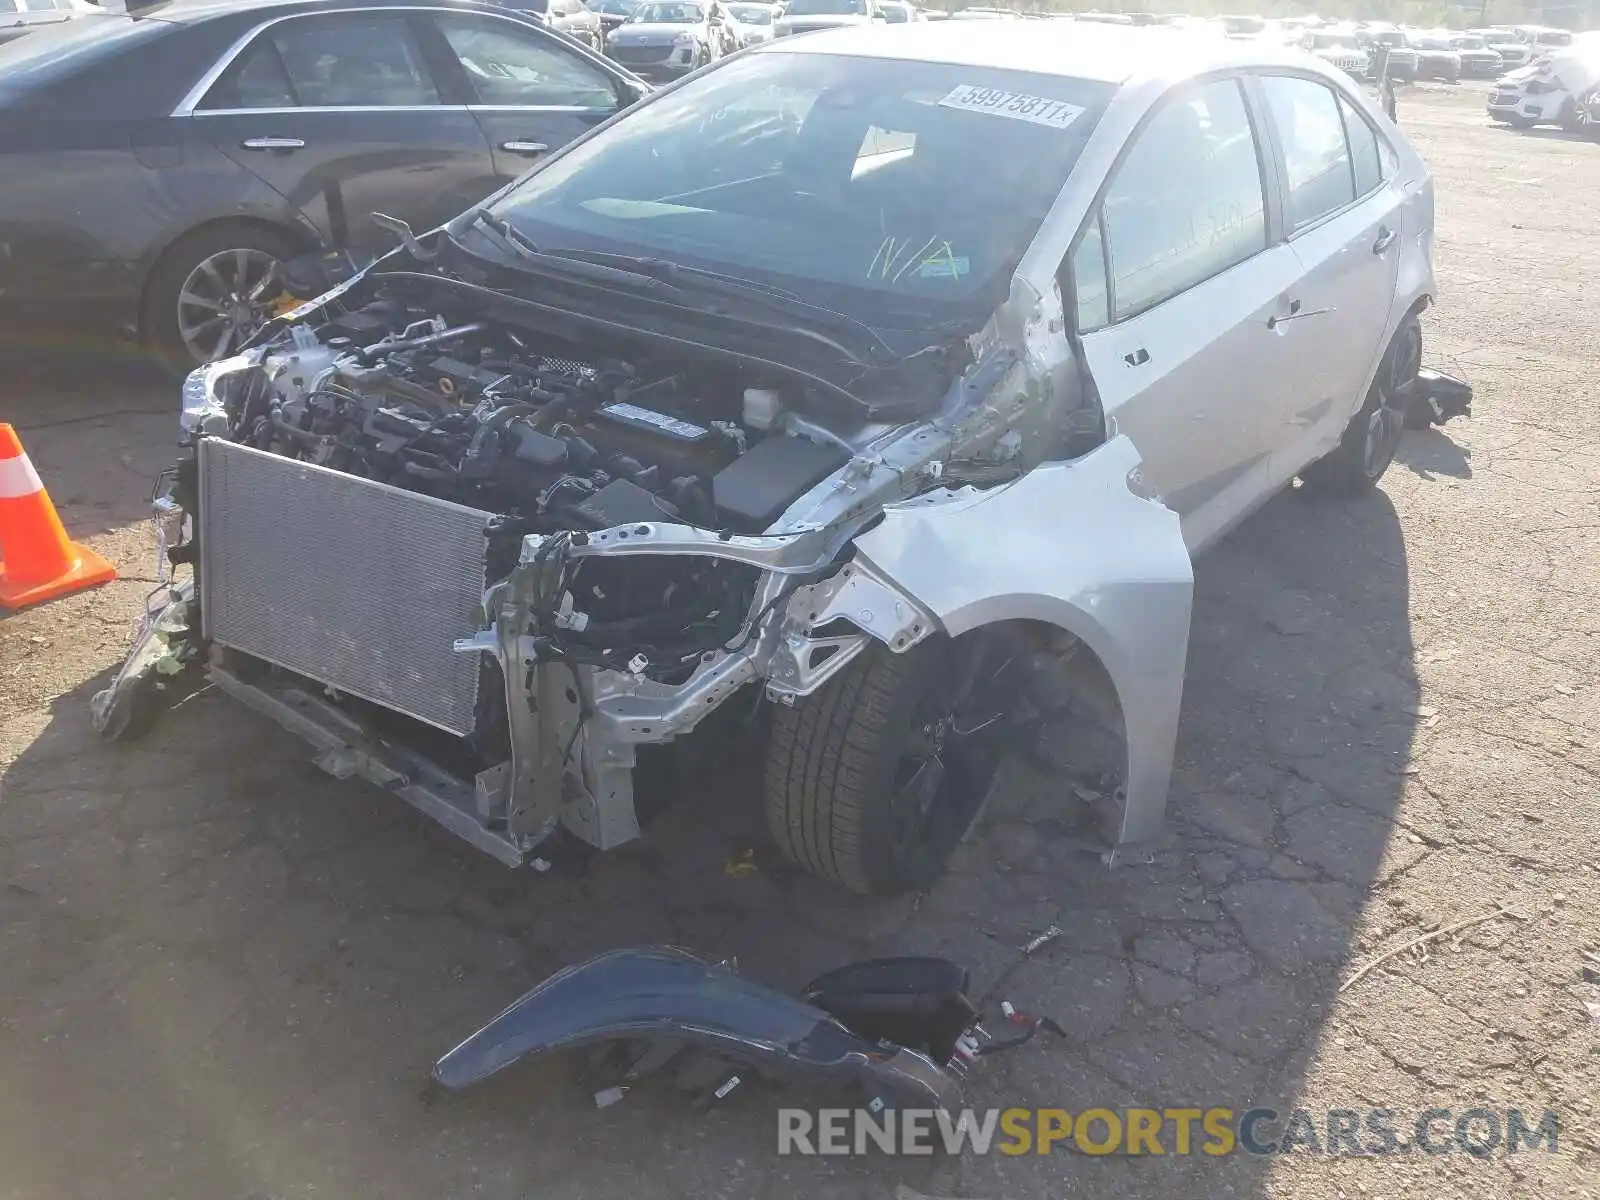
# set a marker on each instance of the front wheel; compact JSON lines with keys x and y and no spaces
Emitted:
{"x":1577,"y":118}
{"x":873,"y":781}
{"x":1373,"y":434}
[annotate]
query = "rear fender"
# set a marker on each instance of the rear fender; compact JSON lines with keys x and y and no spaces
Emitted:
{"x":1078,"y":545}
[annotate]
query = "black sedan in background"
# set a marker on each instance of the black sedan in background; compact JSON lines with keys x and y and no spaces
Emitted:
{"x":156,"y":169}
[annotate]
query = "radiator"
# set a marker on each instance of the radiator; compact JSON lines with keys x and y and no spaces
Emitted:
{"x":356,"y":584}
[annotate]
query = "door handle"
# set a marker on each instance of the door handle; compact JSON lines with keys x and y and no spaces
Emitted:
{"x":281,"y":144}
{"x":529,"y":148}
{"x":1138,"y":358}
{"x":1294,"y":314}
{"x":1386,"y":238}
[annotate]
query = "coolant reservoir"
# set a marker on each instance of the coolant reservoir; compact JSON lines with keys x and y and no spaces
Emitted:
{"x":762,"y":407}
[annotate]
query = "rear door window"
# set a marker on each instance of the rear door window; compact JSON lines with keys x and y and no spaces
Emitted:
{"x":1366,"y":161}
{"x":1315,"y":150}
{"x":258,"y":80}
{"x":359,"y":60}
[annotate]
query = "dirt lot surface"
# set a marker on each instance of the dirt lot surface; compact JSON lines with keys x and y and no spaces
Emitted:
{"x":224,"y":974}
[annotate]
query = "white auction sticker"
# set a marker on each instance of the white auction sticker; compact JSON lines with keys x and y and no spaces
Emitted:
{"x":1041,"y":110}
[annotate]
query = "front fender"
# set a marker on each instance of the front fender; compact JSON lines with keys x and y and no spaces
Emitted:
{"x":1072,"y":544}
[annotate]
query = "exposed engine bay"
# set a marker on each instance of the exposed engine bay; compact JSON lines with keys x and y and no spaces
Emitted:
{"x":481,"y":417}
{"x":552,"y":445}
{"x":482,"y":564}
{"x":488,"y":562}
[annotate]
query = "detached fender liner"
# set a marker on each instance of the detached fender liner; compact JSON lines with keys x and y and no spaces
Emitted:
{"x":666,"y":994}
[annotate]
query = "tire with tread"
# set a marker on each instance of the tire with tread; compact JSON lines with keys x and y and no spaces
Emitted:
{"x":1343,"y":470}
{"x":830,"y":766}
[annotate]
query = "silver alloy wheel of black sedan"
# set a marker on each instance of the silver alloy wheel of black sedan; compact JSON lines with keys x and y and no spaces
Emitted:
{"x":226,"y":298}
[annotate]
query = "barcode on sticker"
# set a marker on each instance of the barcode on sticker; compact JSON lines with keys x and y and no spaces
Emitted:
{"x":1041,"y":110}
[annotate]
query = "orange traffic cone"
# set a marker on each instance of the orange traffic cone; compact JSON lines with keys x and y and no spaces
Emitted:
{"x":38,"y":561}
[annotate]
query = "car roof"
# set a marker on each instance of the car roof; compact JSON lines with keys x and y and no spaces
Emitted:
{"x":1073,"y":50}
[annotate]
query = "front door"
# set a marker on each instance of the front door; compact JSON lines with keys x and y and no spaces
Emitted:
{"x":1177,"y":334}
{"x":530,"y":92}
{"x":342,"y":115}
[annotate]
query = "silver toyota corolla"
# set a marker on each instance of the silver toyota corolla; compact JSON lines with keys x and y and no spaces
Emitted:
{"x":835,"y":395}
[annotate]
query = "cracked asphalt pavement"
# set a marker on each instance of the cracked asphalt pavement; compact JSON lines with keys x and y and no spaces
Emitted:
{"x":223,"y":973}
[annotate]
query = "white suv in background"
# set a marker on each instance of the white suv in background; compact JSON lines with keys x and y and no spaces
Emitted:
{"x":1545,"y":91}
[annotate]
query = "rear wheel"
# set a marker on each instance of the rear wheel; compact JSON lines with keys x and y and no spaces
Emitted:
{"x":212,"y":290}
{"x":873,"y":781}
{"x":1373,"y":435}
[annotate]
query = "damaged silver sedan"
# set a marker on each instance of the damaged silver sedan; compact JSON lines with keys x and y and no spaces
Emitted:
{"x":833,"y":395}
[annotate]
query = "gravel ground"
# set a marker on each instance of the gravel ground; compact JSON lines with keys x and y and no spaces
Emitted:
{"x":226,"y":974}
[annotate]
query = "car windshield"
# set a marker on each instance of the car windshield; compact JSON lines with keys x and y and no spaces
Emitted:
{"x":1244,"y":24}
{"x":829,"y":8}
{"x":848,"y":180}
{"x":1430,"y":42}
{"x":1331,"y":41}
{"x":620,"y":8}
{"x":668,"y":14}
{"x":751,"y":14}
{"x":895,"y":13}
{"x":1389,"y":37}
{"x":1468,"y":43}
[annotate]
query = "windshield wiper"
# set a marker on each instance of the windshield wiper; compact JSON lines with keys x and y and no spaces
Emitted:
{"x":703,"y":282}
{"x":515,"y":245}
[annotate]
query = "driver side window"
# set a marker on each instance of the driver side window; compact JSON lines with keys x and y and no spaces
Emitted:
{"x":511,"y":66}
{"x":1185,"y":203}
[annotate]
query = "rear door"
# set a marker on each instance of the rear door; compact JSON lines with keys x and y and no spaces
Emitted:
{"x":1344,"y":225}
{"x":530,"y":92}
{"x":342,"y":114}
{"x":1177,"y":278}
